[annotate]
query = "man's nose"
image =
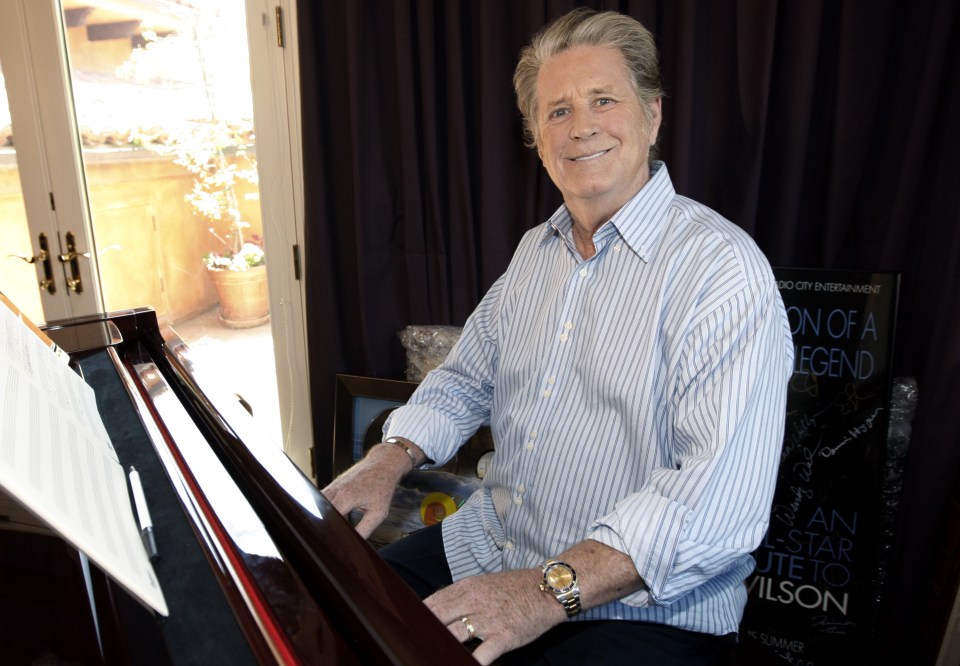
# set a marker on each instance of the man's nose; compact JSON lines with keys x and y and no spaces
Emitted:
{"x":584,"y":124}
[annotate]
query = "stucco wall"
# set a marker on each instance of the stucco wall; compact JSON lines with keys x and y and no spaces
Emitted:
{"x":149,"y":243}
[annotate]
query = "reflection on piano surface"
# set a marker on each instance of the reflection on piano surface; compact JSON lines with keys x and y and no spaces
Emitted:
{"x":255,"y":565}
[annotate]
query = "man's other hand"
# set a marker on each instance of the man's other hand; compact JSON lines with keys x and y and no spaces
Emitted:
{"x":505,"y":610}
{"x":368,"y":486}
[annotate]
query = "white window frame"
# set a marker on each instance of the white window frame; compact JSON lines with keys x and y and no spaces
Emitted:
{"x":274,"y":72}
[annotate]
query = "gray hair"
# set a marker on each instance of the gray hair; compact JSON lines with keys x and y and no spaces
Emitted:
{"x":587,"y":27}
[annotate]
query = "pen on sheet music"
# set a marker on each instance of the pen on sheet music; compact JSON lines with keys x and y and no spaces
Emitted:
{"x":143,"y":515}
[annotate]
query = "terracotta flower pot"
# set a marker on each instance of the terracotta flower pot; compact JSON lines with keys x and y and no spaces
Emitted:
{"x":244,"y":301}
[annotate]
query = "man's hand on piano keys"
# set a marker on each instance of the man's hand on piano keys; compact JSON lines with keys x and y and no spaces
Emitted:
{"x":506,"y":610}
{"x":368,"y":486}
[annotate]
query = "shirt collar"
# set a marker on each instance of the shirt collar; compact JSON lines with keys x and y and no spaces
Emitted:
{"x":639,"y":222}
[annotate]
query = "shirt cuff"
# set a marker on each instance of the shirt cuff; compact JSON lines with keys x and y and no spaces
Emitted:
{"x":605,"y":535}
{"x":421,"y":426}
{"x":648,"y":528}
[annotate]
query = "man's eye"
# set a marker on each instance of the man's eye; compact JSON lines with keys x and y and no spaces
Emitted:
{"x":558,"y":113}
{"x":604,"y":101}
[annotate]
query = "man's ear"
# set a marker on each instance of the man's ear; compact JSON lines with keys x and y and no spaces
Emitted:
{"x":656,"y":116}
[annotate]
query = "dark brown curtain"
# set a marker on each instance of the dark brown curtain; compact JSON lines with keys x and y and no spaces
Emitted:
{"x":829,"y":131}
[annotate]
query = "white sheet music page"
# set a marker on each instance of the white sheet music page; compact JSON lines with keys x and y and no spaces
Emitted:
{"x":57,"y":462}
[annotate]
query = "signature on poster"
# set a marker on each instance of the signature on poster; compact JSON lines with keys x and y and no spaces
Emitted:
{"x":852,"y":434}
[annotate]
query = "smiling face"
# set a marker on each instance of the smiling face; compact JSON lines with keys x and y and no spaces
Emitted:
{"x":592,"y":133}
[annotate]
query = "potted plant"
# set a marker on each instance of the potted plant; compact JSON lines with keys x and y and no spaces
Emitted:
{"x":214,"y":152}
{"x":238,"y":266}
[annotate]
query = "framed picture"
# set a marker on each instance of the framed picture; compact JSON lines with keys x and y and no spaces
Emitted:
{"x":360,"y":403}
{"x":423,"y":497}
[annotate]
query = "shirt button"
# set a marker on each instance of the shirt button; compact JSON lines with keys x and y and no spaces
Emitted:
{"x":583,"y":272}
{"x":616,"y":248}
{"x":533,"y":434}
{"x":563,"y":337}
{"x":547,"y":393}
{"x":508,"y":545}
{"x":529,"y":446}
{"x":568,"y":325}
{"x":518,"y":500}
{"x":521,"y":489}
{"x":551,"y":380}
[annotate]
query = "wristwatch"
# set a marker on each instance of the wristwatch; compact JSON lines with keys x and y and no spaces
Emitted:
{"x":560,"y":580}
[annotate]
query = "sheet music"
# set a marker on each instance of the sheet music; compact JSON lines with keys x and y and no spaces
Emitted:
{"x":57,"y":462}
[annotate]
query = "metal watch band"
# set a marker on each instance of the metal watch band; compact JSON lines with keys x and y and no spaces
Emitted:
{"x":570,"y":602}
{"x":396,"y":441}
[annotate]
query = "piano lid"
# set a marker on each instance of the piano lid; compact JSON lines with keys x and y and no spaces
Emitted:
{"x":294,"y":579}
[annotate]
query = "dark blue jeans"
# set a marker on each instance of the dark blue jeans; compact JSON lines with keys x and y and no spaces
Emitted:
{"x":420,"y":561}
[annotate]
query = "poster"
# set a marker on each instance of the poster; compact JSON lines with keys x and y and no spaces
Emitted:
{"x":810,"y":599}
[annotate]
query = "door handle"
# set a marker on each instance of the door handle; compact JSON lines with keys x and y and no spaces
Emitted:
{"x":71,"y":257}
{"x":47,"y":283}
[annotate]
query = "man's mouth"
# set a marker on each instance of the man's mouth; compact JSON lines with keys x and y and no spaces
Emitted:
{"x":591,"y":156}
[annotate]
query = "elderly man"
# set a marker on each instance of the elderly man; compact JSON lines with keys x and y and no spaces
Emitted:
{"x":632,"y":363}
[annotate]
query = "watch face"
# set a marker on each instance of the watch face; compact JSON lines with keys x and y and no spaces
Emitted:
{"x":559,"y":577}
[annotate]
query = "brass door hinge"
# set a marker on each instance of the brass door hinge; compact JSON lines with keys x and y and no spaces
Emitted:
{"x":278,"y":12}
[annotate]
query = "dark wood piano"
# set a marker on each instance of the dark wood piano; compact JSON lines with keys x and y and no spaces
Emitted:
{"x":255,"y":564}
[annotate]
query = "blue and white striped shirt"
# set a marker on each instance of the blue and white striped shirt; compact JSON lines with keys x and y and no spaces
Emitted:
{"x":636,"y":398}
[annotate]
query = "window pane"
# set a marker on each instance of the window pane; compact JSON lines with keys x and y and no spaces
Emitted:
{"x":164,"y":108}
